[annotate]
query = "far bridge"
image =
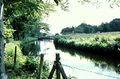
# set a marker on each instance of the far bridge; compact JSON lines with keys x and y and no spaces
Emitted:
{"x":46,"y":37}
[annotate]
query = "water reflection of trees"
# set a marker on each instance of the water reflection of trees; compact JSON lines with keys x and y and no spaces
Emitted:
{"x":31,"y":48}
{"x":99,"y":61}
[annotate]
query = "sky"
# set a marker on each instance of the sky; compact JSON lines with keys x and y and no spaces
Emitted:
{"x":89,"y":13}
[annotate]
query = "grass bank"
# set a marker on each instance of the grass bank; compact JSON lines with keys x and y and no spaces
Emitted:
{"x":107,"y":44}
{"x":27,"y":65}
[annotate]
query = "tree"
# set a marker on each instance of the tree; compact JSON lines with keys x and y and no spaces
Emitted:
{"x":25,"y":17}
{"x":115,"y":24}
{"x":67,"y":30}
{"x":2,"y":67}
{"x":82,"y":28}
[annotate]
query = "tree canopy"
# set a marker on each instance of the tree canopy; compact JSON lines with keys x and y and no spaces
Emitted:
{"x":25,"y":17}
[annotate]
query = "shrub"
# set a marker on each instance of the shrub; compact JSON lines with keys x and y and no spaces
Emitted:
{"x":9,"y":56}
{"x":26,"y":66}
{"x":31,"y":64}
{"x":102,"y":42}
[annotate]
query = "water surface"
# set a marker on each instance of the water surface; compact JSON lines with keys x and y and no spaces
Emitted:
{"x":79,"y":64}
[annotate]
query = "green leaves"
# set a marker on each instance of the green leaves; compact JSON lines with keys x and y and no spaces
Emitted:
{"x":25,"y":17}
{"x":8,"y":33}
{"x":9,"y":55}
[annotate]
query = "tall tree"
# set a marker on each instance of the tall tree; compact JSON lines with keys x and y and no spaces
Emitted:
{"x":24,"y":16}
{"x":2,"y":67}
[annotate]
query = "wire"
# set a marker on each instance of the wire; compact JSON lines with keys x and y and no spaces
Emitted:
{"x":90,"y":71}
{"x":51,"y":63}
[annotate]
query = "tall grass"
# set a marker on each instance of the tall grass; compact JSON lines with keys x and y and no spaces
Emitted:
{"x":98,"y":43}
{"x":26,"y":67}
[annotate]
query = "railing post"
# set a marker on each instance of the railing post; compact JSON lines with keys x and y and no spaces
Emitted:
{"x":57,"y":66}
{"x":41,"y":65}
{"x":52,"y":72}
{"x":15,"y":55}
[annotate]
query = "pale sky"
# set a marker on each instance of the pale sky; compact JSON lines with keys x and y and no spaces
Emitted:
{"x":77,"y":14}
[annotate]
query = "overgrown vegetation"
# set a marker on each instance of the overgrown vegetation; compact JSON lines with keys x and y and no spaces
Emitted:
{"x":9,"y":56}
{"x":26,"y":66}
{"x":107,"y":44}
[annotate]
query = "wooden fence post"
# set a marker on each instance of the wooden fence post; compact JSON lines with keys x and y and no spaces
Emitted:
{"x":15,"y":55}
{"x":58,"y":67}
{"x":41,"y":65}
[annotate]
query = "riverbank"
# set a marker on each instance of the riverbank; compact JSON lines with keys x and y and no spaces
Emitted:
{"x":27,"y":61}
{"x":104,"y":44}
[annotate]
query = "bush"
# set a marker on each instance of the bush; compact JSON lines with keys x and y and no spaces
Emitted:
{"x":28,"y":39}
{"x":99,"y":43}
{"x":31,"y":64}
{"x":45,"y":72}
{"x":26,"y":66}
{"x":9,"y":56}
{"x":32,"y":67}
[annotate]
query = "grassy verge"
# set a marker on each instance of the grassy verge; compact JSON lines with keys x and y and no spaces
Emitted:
{"x":26,"y":66}
{"x":107,"y":44}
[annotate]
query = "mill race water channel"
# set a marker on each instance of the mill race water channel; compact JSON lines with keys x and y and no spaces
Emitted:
{"x":80,"y":65}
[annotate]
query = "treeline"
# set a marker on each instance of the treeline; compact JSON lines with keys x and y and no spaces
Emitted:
{"x":114,"y":25}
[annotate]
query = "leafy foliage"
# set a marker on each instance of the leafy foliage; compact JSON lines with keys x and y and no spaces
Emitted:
{"x":26,"y":66}
{"x":31,"y":64}
{"x":25,"y":17}
{"x":31,"y":48}
{"x":9,"y":56}
{"x":8,"y":34}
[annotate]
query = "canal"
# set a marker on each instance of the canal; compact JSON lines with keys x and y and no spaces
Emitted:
{"x":81,"y":65}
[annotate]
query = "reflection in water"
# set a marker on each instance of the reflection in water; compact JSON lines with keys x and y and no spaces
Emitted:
{"x":99,"y":61}
{"x":31,"y":48}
